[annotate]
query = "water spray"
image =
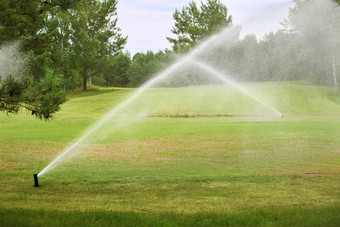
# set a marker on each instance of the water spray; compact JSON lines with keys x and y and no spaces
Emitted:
{"x":188,"y":58}
{"x":226,"y":80}
{"x":111,"y":114}
{"x":36,"y":183}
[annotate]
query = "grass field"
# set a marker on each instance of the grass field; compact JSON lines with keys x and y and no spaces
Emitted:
{"x":170,"y":167}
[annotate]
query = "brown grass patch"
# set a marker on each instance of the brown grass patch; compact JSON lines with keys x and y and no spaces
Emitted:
{"x":164,"y":148}
{"x":314,"y":169}
{"x":25,"y":156}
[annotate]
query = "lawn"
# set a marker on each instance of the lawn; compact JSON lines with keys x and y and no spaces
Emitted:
{"x":198,"y":156}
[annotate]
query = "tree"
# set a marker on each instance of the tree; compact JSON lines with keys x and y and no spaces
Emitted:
{"x":95,"y":36}
{"x":249,"y":61}
{"x":193,"y":24}
{"x":144,"y":66}
{"x":42,"y":99}
{"x":31,"y":23}
{"x":24,"y":22}
{"x":116,"y":74}
{"x":19,"y":18}
{"x":58,"y":32}
{"x":315,"y":25}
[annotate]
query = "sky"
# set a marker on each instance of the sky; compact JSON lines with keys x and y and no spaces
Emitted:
{"x":147,"y":23}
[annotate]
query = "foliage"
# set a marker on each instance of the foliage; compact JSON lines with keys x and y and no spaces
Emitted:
{"x":42,"y":99}
{"x":61,"y":37}
{"x":305,"y":49}
{"x":317,"y":38}
{"x":58,"y":41}
{"x":27,"y":23}
{"x":32,"y":23}
{"x":19,"y":18}
{"x":116,"y":74}
{"x":144,"y":66}
{"x":95,"y":36}
{"x":265,"y":60}
{"x":26,"y":18}
{"x":193,"y":24}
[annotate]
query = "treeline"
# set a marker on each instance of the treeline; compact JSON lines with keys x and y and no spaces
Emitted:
{"x":193,"y":23}
{"x":280,"y":56}
{"x":127,"y":71}
{"x":306,"y":48}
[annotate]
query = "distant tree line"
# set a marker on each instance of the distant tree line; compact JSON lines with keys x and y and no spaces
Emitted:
{"x":192,"y":24}
{"x":306,"y":48}
{"x":126,"y":71}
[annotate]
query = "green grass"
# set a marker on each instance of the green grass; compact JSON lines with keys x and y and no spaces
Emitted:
{"x":259,"y":170}
{"x":276,"y":217}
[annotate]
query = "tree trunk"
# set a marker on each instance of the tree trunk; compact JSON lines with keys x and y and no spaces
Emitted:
{"x":336,"y":85}
{"x":85,"y":79}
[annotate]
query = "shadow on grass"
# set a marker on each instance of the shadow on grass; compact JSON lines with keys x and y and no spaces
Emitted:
{"x":321,"y":216}
{"x":93,"y":92}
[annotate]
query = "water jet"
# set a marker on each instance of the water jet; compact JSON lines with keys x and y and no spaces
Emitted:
{"x":193,"y":57}
{"x":226,"y":80}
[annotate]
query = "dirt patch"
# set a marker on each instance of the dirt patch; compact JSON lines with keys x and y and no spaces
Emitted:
{"x":25,"y":156}
{"x":314,"y":169}
{"x":164,"y":148}
{"x":204,"y":115}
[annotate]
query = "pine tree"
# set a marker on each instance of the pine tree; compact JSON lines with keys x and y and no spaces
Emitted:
{"x":95,"y":36}
{"x":192,"y":24}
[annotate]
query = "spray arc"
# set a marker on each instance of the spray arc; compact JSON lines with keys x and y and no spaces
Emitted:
{"x":188,"y":59}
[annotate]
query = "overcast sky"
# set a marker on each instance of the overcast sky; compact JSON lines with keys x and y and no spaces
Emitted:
{"x":147,"y":23}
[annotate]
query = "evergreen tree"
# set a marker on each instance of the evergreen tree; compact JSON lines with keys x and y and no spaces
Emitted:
{"x":144,"y":66}
{"x":42,"y":98}
{"x":116,"y":74}
{"x":192,"y":24}
{"x":95,"y":36}
{"x":24,"y":22}
{"x":318,"y":38}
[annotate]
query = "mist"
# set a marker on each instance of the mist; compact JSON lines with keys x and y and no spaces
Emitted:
{"x":306,"y":48}
{"x":11,"y":61}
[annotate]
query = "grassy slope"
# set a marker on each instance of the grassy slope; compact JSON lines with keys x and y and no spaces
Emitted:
{"x":184,"y":171}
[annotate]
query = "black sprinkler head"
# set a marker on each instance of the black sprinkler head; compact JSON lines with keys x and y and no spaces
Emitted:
{"x":36,"y":184}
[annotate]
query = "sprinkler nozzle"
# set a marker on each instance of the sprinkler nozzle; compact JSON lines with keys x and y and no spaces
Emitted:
{"x":281,"y":115}
{"x":36,"y":184}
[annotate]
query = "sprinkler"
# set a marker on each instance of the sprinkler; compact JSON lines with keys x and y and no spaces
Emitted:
{"x":36,"y":184}
{"x":281,"y":115}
